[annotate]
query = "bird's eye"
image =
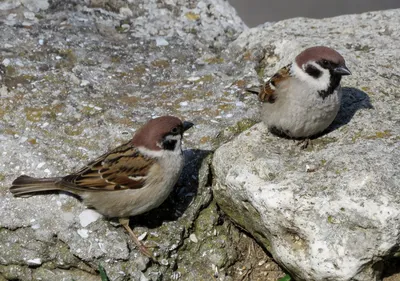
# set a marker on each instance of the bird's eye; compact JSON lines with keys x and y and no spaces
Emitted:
{"x":175,"y":130}
{"x":325,"y":62}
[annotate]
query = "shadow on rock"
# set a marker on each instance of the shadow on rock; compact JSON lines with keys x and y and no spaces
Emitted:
{"x":352,"y":101}
{"x":183,"y":194}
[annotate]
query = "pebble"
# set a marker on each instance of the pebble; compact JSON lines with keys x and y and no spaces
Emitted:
{"x":88,"y":216}
{"x":36,"y":261}
{"x":83,"y":233}
{"x":142,"y":236}
{"x":6,"y":62}
{"x":84,"y":83}
{"x":193,"y":78}
{"x":193,"y":238}
{"x":160,"y":41}
{"x":126,"y":12}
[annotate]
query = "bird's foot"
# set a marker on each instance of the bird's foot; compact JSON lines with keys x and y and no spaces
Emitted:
{"x":142,"y":248}
{"x":303,"y":144}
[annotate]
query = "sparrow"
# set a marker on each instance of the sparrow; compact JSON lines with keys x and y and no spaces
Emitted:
{"x":127,"y":181}
{"x":303,"y":98}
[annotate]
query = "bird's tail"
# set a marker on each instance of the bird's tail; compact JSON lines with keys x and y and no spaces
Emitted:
{"x":25,"y":185}
{"x":254,"y":90}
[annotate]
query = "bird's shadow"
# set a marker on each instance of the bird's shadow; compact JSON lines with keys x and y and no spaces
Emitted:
{"x":180,"y":198}
{"x":353,"y":100}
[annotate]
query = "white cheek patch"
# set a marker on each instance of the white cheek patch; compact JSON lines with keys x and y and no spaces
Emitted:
{"x":318,"y":84}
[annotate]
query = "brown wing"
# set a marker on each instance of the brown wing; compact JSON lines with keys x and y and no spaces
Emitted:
{"x":122,"y":168}
{"x":267,"y":92}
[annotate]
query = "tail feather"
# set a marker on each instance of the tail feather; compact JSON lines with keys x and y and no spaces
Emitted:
{"x":25,"y":185}
{"x":254,"y":90}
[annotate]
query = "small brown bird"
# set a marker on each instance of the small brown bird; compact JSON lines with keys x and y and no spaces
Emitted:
{"x":303,"y":98}
{"x":127,"y":181}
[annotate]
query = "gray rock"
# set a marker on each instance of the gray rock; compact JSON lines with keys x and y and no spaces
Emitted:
{"x":51,"y":125}
{"x":35,"y":5}
{"x":75,"y":86}
{"x":330,"y":212}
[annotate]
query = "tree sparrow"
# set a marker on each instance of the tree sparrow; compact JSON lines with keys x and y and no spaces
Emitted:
{"x":127,"y":181}
{"x":303,"y":98}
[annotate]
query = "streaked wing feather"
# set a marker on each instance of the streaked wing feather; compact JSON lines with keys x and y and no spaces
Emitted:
{"x":122,"y":168}
{"x":267,"y":92}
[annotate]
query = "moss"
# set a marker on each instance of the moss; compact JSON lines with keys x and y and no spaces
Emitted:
{"x":73,"y":130}
{"x":243,"y":214}
{"x":192,"y":16}
{"x":68,"y":59}
{"x":139,"y":69}
{"x":260,"y":69}
{"x":2,"y":177}
{"x":380,"y":135}
{"x":8,"y":131}
{"x":33,"y":114}
{"x":232,"y":131}
{"x":10,"y":70}
{"x":356,"y":136}
{"x":205,"y":139}
{"x":165,"y":83}
{"x":247,"y":55}
{"x":206,"y":78}
{"x":115,"y":59}
{"x":321,"y":142}
{"x":160,"y":63}
{"x":129,"y":100}
{"x":32,"y":141}
{"x":245,"y":124}
{"x":12,"y":82}
{"x":214,"y":60}
{"x":240,"y":83}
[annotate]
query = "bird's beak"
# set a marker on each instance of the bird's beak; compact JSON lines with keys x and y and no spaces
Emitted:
{"x":342,"y":70}
{"x":187,"y":125}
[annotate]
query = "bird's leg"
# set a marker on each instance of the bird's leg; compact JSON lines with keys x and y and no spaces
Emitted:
{"x":125,"y":223}
{"x":304,"y":143}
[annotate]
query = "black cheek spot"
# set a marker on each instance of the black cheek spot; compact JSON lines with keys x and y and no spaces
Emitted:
{"x":169,"y":144}
{"x":313,"y":71}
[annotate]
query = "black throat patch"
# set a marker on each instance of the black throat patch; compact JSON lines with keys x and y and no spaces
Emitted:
{"x":333,"y":84}
{"x":169,"y":144}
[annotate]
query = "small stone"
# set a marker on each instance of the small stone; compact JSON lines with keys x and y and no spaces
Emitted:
{"x":160,"y":41}
{"x":84,"y":233}
{"x":310,"y":168}
{"x":84,"y":83}
{"x":88,"y":216}
{"x":126,"y":12}
{"x":125,"y":27}
{"x":6,"y":62}
{"x":36,"y":261}
{"x":193,"y":238}
{"x":29,"y":16}
{"x":142,"y":236}
{"x":9,"y":4}
{"x":35,"y":5}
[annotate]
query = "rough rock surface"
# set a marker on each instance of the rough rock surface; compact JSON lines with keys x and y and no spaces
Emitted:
{"x":330,"y":212}
{"x":78,"y":78}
